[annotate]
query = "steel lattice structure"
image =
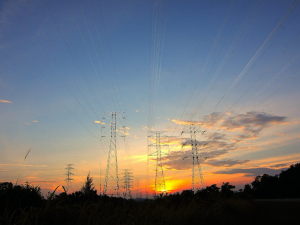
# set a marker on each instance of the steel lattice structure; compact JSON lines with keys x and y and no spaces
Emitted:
{"x":196,"y":178}
{"x":160,"y":185}
{"x":69,"y":175}
{"x":111,"y":183}
{"x":127,"y":183}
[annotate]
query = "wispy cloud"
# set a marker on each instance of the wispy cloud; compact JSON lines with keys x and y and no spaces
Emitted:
{"x":35,"y":121}
{"x":226,"y":162}
{"x":186,"y":122}
{"x":5,"y":101}
{"x":182,"y":160}
{"x":251,"y":171}
{"x":139,"y":158}
{"x":251,"y":124}
{"x":124,"y":131}
{"x":97,"y":121}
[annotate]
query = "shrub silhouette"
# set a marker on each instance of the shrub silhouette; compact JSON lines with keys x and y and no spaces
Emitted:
{"x":226,"y":189}
{"x":19,"y":196}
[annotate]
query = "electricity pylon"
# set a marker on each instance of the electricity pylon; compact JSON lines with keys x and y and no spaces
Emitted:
{"x":112,"y":176}
{"x":69,"y":175}
{"x":138,"y":193}
{"x":127,"y":183}
{"x":193,"y":132}
{"x":160,"y":185}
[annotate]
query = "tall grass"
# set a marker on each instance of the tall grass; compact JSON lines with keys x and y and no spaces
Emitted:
{"x":22,"y":165}
{"x":119,"y":211}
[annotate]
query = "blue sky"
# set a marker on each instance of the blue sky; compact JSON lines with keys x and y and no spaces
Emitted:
{"x":232,"y":66}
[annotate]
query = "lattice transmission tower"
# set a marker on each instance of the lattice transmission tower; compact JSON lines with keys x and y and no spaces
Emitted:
{"x":196,"y":178}
{"x":138,"y":193}
{"x":111,"y":183}
{"x":160,"y":185}
{"x":127,"y":183}
{"x":69,"y":175}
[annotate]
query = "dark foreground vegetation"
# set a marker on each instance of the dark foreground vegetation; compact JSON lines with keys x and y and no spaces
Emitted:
{"x":24,"y":204}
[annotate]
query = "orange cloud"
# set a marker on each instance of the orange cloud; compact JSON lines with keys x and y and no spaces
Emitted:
{"x":281,"y":134}
{"x":5,"y":101}
{"x":35,"y":121}
{"x":269,"y":162}
{"x":97,"y":121}
{"x":185,"y":122}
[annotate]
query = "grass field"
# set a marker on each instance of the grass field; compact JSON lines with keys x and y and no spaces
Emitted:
{"x":160,"y":211}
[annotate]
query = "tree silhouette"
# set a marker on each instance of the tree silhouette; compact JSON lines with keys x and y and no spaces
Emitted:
{"x":213,"y":189}
{"x":290,"y":182}
{"x":88,"y":189}
{"x":226,"y":189}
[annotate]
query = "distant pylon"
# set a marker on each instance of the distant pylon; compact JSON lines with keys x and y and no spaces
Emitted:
{"x":127,"y":183}
{"x":193,"y":131}
{"x":100,"y":182}
{"x":69,"y":175}
{"x":160,"y":185}
{"x":138,"y":194}
{"x":112,"y":176}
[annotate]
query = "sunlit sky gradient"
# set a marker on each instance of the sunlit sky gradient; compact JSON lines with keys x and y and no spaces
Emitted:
{"x":230,"y":66}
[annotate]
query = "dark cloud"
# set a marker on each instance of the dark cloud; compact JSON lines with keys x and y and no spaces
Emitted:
{"x":211,"y":145}
{"x":225,"y":162}
{"x":216,"y":145}
{"x":280,"y":165}
{"x":251,"y":124}
{"x":216,"y":136}
{"x":182,"y":160}
{"x":256,"y":119}
{"x":251,"y":171}
{"x":212,"y":119}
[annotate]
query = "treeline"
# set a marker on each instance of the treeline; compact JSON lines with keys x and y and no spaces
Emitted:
{"x":25,"y":204}
{"x":284,"y":185}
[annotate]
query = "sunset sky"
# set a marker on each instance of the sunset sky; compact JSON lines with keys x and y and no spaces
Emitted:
{"x":230,"y":67}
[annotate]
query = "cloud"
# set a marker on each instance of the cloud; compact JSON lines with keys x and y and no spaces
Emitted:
{"x":210,"y":121}
{"x":216,"y":144}
{"x":124,"y":130}
{"x":182,"y":160}
{"x":216,"y":136}
{"x":167,"y":140}
{"x":186,"y":122}
{"x":251,"y":124}
{"x":97,"y":121}
{"x":251,"y":171}
{"x":35,"y":121}
{"x":280,"y":165}
{"x":281,"y":134}
{"x":226,"y":162}
{"x":5,"y":101}
{"x":252,"y":121}
{"x":170,"y":129}
{"x":139,"y":158}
